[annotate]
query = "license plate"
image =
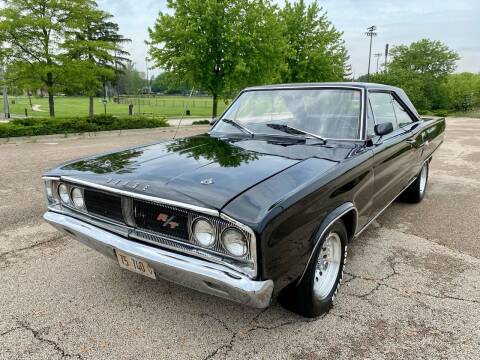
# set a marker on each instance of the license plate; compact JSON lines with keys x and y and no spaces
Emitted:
{"x":133,"y":264}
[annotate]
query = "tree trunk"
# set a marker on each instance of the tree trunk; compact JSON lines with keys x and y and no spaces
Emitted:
{"x":90,"y":106}
{"x":215,"y":106}
{"x":30,"y":99}
{"x":51,"y":103}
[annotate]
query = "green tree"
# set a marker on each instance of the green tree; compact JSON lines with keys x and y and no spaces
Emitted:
{"x":316,"y":50}
{"x":95,"y":49}
{"x":35,"y":31}
{"x":169,"y":84}
{"x":421,"y":69}
{"x":218,"y":46}
{"x":462,"y":91}
{"x":130,"y":81}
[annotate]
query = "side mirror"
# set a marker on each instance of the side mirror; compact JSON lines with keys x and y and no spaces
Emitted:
{"x":383,"y":128}
{"x":214,"y":121}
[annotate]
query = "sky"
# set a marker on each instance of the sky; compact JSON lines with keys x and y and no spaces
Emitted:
{"x":454,"y":22}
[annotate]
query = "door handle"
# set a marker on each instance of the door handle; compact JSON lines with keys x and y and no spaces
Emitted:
{"x":411,"y":141}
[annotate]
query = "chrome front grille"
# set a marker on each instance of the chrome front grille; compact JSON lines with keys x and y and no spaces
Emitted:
{"x":160,"y":223}
{"x":157,"y":223}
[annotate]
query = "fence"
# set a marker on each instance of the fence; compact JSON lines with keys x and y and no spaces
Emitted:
{"x":171,"y":102}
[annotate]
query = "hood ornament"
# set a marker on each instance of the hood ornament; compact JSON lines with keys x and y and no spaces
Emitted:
{"x":207,"y":181}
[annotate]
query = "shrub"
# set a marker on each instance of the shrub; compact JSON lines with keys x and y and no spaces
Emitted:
{"x":441,"y":113}
{"x":201,"y":122}
{"x":34,"y":126}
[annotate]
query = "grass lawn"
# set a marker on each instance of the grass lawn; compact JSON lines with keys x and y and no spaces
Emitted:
{"x":70,"y":106}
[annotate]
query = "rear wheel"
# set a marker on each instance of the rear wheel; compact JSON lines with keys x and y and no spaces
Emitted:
{"x":416,"y":191}
{"x":316,"y":292}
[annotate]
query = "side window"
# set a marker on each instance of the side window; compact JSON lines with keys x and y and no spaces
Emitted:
{"x":402,"y":116}
{"x":370,"y":121}
{"x":382,"y":106}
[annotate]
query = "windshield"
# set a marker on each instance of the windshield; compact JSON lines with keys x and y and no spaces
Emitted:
{"x":329,"y":113}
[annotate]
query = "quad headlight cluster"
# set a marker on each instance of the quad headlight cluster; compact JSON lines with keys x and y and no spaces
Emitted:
{"x":232,"y":240}
{"x":67,"y":195}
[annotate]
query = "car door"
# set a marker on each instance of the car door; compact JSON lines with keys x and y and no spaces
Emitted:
{"x":413,"y":126}
{"x":394,"y":153}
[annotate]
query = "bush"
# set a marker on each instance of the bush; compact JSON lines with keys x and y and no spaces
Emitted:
{"x":201,"y":122}
{"x":34,"y":126}
{"x":441,"y":113}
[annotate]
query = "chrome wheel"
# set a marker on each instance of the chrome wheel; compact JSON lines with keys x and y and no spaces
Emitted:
{"x":423,"y":178}
{"x":328,"y":266}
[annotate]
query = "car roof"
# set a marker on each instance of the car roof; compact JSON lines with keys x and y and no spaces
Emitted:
{"x":360,"y":85}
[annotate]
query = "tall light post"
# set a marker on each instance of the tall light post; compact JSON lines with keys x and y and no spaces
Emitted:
{"x":370,"y":33}
{"x":377,"y":55}
{"x":386,"y":56}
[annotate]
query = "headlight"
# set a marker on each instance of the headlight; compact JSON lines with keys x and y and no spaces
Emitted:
{"x":48,"y":189}
{"x":235,"y":242}
{"x":77,"y":198}
{"x":63,"y":193}
{"x":203,"y":232}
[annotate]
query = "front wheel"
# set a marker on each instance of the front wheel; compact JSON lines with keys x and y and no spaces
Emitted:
{"x":316,"y":291}
{"x":416,"y":191}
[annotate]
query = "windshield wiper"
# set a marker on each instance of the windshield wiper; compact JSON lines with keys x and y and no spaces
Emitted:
{"x":291,"y":130}
{"x":238,"y":126}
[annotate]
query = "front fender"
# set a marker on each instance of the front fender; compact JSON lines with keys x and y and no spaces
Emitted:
{"x":338,"y":213}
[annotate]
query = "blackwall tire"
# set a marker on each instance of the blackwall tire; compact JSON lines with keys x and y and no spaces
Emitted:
{"x":316,"y":292}
{"x":416,"y":191}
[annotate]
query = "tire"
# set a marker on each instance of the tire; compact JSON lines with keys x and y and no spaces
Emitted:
{"x":416,"y":191}
{"x":314,"y":296}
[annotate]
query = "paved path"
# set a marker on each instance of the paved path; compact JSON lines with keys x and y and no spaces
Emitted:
{"x":412,"y":289}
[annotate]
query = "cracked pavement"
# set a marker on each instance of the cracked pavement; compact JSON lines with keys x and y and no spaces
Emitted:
{"x":411,"y":288}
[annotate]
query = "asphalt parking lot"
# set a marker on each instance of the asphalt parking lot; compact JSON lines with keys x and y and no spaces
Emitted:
{"x":412,"y":288}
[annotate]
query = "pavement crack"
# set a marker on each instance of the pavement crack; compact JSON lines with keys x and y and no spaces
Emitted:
{"x":220,"y":321}
{"x":440,"y":296}
{"x":38,"y":336}
{"x":252,"y":326}
{"x":10,"y":330}
{"x":14,"y":251}
{"x":229,"y":346}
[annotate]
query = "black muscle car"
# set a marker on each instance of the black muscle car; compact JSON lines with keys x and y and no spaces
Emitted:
{"x":263,"y":205}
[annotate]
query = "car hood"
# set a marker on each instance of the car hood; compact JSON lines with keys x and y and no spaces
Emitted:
{"x":201,"y":170}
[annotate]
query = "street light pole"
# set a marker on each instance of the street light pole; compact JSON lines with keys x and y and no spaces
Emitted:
{"x":371,"y":33}
{"x":386,"y":56}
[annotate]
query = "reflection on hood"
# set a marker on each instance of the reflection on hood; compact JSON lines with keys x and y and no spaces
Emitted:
{"x":212,"y":149}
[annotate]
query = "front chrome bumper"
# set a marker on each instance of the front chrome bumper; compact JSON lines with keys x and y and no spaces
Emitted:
{"x":188,"y":271}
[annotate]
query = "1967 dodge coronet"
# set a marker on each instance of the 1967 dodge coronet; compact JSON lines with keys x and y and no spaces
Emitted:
{"x":265,"y":204}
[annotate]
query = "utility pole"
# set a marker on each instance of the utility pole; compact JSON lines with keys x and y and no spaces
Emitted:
{"x":377,"y":55}
{"x":386,"y":55}
{"x":370,"y":33}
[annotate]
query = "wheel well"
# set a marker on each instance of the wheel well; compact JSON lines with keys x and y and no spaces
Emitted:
{"x":350,"y":221}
